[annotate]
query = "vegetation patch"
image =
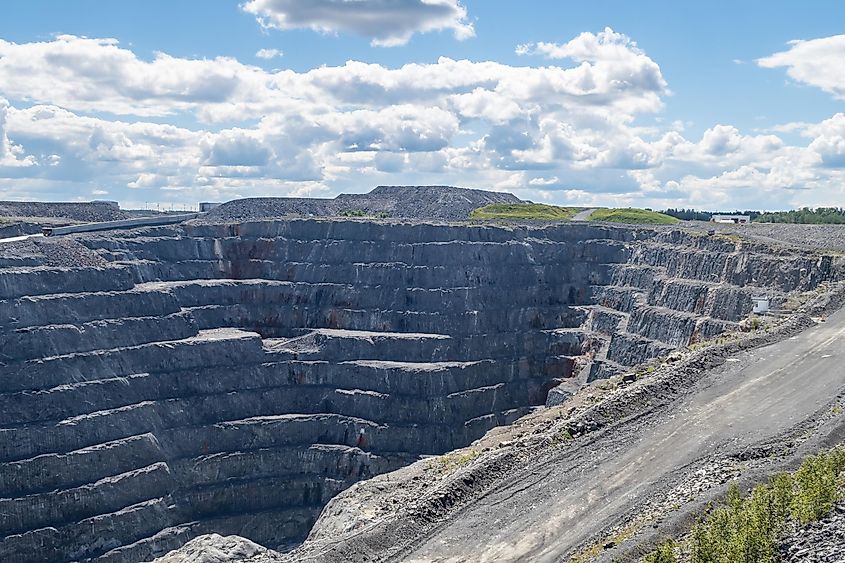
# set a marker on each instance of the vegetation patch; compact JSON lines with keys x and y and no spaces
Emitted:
{"x":562,"y":436}
{"x":362,"y":213}
{"x":665,"y":553}
{"x":806,"y":216}
{"x":452,"y":461}
{"x":633,"y":216}
{"x":747,"y":529}
{"x":591,"y":552}
{"x":537,"y":211}
{"x":751,"y":323}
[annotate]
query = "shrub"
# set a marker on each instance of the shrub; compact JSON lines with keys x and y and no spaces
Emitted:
{"x":816,"y":486}
{"x":665,"y":553}
{"x":752,"y":323}
{"x":453,"y":460}
{"x":362,"y":213}
{"x":746,"y":530}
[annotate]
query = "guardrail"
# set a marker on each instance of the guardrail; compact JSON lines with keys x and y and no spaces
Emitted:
{"x":123,"y":224}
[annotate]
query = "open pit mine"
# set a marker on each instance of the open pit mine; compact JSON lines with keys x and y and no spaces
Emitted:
{"x":231,"y":374}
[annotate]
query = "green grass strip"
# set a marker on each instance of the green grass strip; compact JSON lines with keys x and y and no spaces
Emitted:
{"x":632,"y":216}
{"x":539,"y":211}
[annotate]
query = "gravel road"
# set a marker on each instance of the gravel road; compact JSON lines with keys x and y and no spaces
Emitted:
{"x":549,"y":509}
{"x":583,"y":215}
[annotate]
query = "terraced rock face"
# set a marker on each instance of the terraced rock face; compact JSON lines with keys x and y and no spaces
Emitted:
{"x":233,"y":378}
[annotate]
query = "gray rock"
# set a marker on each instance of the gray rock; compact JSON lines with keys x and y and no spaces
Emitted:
{"x":420,"y":202}
{"x":163,"y":383}
{"x":214,"y":548}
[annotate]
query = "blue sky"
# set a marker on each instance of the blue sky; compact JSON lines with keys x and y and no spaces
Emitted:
{"x":649,"y":103}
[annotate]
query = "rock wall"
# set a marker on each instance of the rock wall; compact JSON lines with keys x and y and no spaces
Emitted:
{"x":232,"y":378}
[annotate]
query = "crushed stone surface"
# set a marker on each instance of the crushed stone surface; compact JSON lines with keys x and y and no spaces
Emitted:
{"x":828,"y":237}
{"x":407,"y":202}
{"x":82,"y":212}
{"x":818,"y":542}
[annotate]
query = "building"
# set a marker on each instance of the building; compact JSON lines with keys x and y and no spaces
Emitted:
{"x":114,"y":204}
{"x":736,"y":219}
{"x":761,"y":305}
{"x":208,"y":206}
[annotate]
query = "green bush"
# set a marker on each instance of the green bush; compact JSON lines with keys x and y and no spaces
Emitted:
{"x":353,"y":213}
{"x":362,"y":213}
{"x":746,"y":530}
{"x":665,"y":553}
{"x":816,"y":484}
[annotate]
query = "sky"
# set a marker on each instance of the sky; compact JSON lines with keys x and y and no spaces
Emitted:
{"x":717,"y":105}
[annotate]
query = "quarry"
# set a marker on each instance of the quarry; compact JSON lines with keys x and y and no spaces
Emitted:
{"x":364,"y":380}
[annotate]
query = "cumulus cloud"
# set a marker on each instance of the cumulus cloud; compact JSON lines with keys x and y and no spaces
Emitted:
{"x":388,"y":23}
{"x":268,"y":54}
{"x":4,"y":140}
{"x":829,"y":141}
{"x":10,"y":155}
{"x":720,"y":140}
{"x":816,"y":62}
{"x":568,"y":132}
{"x":98,"y":75}
{"x":83,"y":74}
{"x":403,"y":128}
{"x":236,"y":147}
{"x":615,"y":52}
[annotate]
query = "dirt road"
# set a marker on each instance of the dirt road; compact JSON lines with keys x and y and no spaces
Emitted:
{"x":556,"y":505}
{"x":583,"y":215}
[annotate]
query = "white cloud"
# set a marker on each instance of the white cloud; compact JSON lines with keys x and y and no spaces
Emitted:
{"x":98,"y":75}
{"x":83,"y":74}
{"x":5,"y":149}
{"x":829,"y":141}
{"x":10,"y":155}
{"x":494,"y":106}
{"x":388,"y":23}
{"x":816,"y":62}
{"x":395,"y":128}
{"x":720,"y":140}
{"x":268,"y":54}
{"x":544,"y":181}
{"x":236,"y":147}
{"x":608,"y":61}
{"x":568,"y":132}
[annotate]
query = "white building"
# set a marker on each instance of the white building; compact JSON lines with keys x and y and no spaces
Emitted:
{"x":761,"y":305}
{"x":736,"y":219}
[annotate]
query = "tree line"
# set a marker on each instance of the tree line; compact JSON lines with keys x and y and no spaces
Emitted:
{"x":805,"y":215}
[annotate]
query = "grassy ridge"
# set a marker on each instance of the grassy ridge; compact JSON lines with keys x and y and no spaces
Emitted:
{"x":539,"y":211}
{"x":747,"y":529}
{"x":632,"y":216}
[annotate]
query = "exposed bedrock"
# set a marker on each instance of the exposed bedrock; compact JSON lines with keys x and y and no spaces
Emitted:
{"x":232,"y":378}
